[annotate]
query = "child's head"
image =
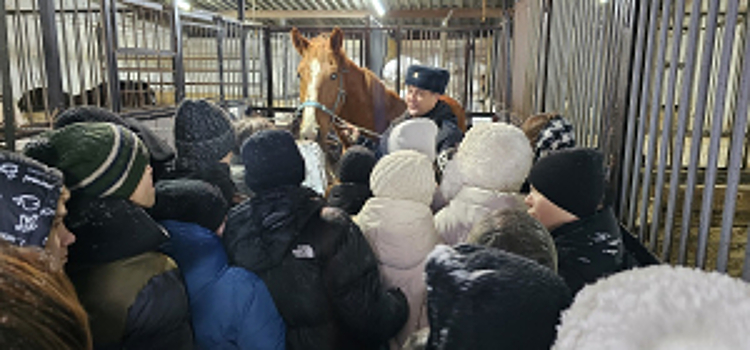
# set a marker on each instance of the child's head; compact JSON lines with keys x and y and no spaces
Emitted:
{"x":188,"y":200}
{"x":203,"y":134}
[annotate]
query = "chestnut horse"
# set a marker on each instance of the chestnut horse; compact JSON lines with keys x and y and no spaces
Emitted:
{"x":333,"y":87}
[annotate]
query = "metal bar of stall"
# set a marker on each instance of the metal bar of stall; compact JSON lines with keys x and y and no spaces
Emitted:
{"x":574,"y":97}
{"x":734,"y":168}
{"x":220,"y":34}
{"x":666,"y":131}
{"x":656,"y":90}
{"x":268,"y":56}
{"x":9,"y":120}
{"x":51,"y":55}
{"x":699,"y":113}
{"x":509,"y":64}
{"x":590,"y":91}
{"x":178,"y":62}
{"x":627,"y":157}
{"x":691,"y":54}
{"x":638,"y":154}
{"x":241,"y":5}
{"x":398,"y":61}
{"x":110,"y":38}
{"x":599,"y":64}
{"x":704,"y":226}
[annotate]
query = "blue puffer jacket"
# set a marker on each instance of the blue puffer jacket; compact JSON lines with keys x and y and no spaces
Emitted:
{"x":231,"y":307}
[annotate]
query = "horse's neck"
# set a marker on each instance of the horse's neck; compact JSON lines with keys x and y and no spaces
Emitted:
{"x":367,"y":97}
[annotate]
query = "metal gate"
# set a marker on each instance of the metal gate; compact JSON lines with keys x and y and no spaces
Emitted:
{"x":663,"y":88}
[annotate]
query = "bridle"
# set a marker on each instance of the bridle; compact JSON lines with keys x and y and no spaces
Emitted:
{"x":334,"y":119}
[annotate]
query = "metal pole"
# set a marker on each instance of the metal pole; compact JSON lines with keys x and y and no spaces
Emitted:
{"x":268,"y":55}
{"x":219,"y":23}
{"x":699,"y":113}
{"x":398,"y":60}
{"x":632,"y":110}
{"x":51,"y":55}
{"x":178,"y":61}
{"x":666,"y":135}
{"x":8,"y":111}
{"x":686,"y":96}
{"x":704,"y":226}
{"x":735,"y":161}
{"x":243,"y":49}
{"x":656,"y":91}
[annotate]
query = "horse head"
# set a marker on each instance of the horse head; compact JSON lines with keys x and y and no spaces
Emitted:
{"x":321,"y":79}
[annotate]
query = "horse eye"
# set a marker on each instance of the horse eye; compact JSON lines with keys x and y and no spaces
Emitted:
{"x":333,"y":76}
{"x":299,"y":76}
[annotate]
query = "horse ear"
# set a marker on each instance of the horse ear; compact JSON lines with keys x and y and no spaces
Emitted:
{"x":337,"y":39}
{"x":300,"y":42}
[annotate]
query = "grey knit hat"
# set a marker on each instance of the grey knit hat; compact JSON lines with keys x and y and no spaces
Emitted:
{"x":203,"y":134}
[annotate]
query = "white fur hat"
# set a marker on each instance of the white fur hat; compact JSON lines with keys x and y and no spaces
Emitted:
{"x":404,"y":174}
{"x":416,"y":134}
{"x":495,"y":156}
{"x":659,"y":308}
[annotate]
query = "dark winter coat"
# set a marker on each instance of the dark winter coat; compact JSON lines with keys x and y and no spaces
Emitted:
{"x":133,"y":294}
{"x":231,"y":307}
{"x":218,"y":174}
{"x":486,"y":298}
{"x":589,"y":248}
{"x":449,"y":134}
{"x":319,"y":268}
{"x":349,"y":196}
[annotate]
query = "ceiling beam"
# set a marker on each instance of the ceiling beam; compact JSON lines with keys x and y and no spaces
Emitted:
{"x":392,"y":14}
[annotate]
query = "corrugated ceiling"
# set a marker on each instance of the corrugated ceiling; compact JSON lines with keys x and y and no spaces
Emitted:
{"x":355,"y":12}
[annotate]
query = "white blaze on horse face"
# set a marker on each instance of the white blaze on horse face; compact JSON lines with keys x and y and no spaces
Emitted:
{"x":309,"y":127}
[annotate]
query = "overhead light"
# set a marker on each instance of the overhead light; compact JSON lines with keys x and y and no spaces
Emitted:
{"x":184,"y":5}
{"x":379,"y":9}
{"x":603,"y":1}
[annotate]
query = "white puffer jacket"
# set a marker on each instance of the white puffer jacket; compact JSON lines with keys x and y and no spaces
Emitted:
{"x":492,"y":162}
{"x":399,"y":225}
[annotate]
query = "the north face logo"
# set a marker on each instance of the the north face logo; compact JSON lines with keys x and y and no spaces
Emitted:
{"x":303,"y":251}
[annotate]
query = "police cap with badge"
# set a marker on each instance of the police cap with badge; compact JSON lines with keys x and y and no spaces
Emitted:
{"x":427,"y":78}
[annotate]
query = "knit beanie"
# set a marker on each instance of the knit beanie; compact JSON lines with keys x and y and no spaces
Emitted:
{"x":659,"y":307}
{"x":571,"y":179}
{"x":356,"y":165}
{"x":98,"y":159}
{"x":416,"y":134}
{"x":29,"y":192}
{"x":158,"y":149}
{"x":272,"y":160}
{"x":404,"y":175}
{"x":486,"y":298}
{"x":188,"y":200}
{"x":557,"y":134}
{"x":427,"y":78}
{"x":494,"y":156}
{"x":203,"y":134}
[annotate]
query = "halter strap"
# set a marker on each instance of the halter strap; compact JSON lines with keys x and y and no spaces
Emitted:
{"x":334,"y":118}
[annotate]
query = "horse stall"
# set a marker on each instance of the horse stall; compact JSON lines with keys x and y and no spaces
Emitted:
{"x":150,"y":55}
{"x":471,"y":55}
{"x":662,"y":87}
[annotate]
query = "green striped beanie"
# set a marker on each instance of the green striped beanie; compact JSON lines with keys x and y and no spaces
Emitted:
{"x":98,"y":159}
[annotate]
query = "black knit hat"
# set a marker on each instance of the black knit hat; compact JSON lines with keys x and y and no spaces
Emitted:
{"x":203,"y":134}
{"x":356,"y":165}
{"x":486,"y":298}
{"x":29,"y":192}
{"x":159,"y":150}
{"x":99,"y":159}
{"x":272,"y":160}
{"x":188,"y":200}
{"x":428,"y":78}
{"x":573,"y":179}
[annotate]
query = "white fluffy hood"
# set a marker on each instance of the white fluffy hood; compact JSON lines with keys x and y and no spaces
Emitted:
{"x":659,"y":308}
{"x":494,"y":156}
{"x":404,"y":174}
{"x":400,"y":232}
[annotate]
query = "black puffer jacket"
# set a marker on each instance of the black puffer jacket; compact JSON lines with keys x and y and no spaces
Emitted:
{"x":449,"y":134}
{"x":349,"y":196}
{"x":589,"y":248}
{"x":133,"y":294}
{"x":319,"y":268}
